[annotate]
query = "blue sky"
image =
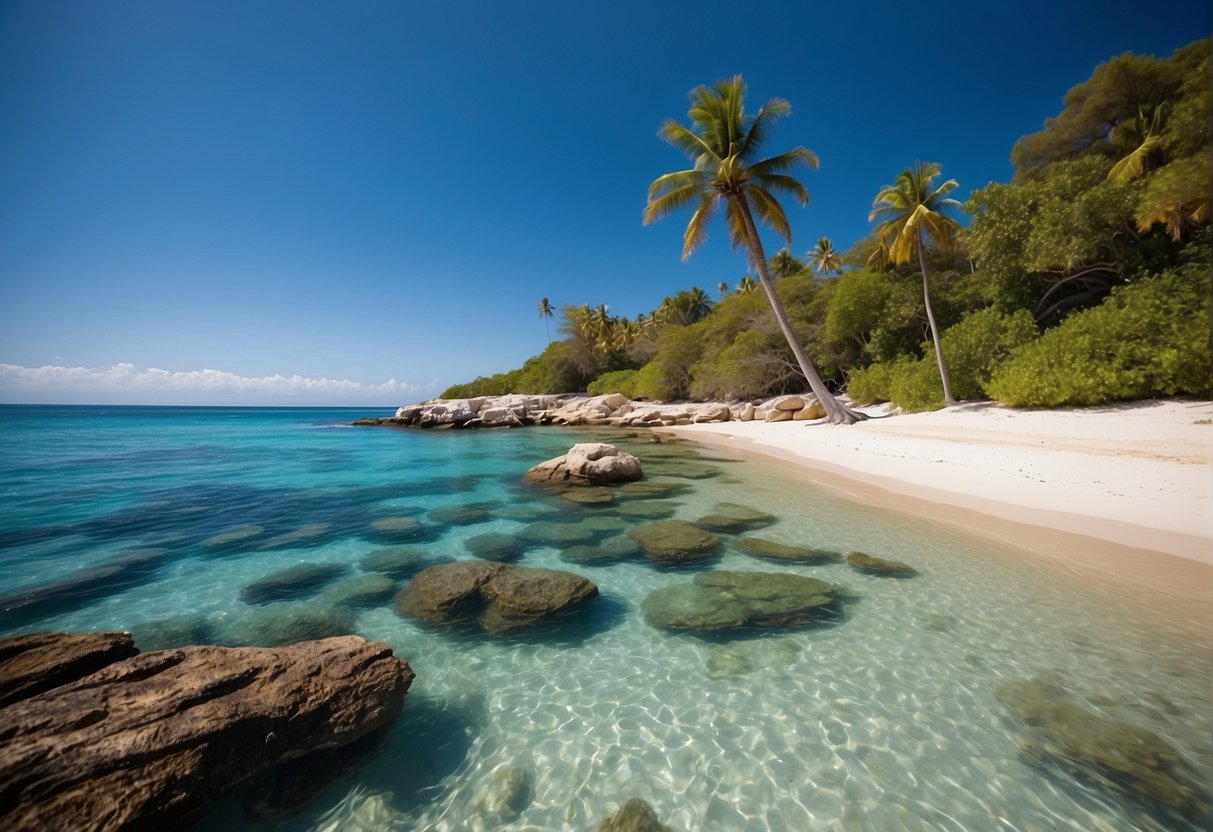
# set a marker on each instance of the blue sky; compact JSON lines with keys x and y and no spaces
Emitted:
{"x":363,"y":202}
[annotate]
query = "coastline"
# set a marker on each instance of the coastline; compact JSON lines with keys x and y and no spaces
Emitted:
{"x":1124,"y":491}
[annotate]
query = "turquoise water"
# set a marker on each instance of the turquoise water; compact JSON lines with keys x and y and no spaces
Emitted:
{"x":154,"y":520}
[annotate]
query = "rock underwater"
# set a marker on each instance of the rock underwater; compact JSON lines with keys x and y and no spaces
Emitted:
{"x":720,"y":601}
{"x":145,"y":742}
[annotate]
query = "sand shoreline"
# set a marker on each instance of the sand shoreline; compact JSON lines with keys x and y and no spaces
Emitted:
{"x":1125,"y":490}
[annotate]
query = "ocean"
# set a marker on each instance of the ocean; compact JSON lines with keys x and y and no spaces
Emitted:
{"x":989,"y":691}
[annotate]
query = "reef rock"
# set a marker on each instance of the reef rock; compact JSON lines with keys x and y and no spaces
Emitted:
{"x":732,"y":517}
{"x":397,"y":561}
{"x":758,"y":547}
{"x":1120,"y":757}
{"x":495,"y":546}
{"x":588,"y":463}
{"x":721,"y":601}
{"x":145,"y":742}
{"x":676,"y":543}
{"x":362,"y":591}
{"x":879,"y":566}
{"x":498,"y":597}
{"x":635,"y":816}
{"x":297,"y":581}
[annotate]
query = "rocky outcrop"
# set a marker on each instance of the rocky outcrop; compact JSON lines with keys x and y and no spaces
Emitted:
{"x":588,"y":463}
{"x":37,"y":662}
{"x":722,"y":601}
{"x":575,"y":410}
{"x":146,"y":741}
{"x":676,"y":543}
{"x":497,"y":597}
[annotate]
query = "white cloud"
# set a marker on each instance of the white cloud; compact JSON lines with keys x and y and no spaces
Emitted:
{"x":125,"y":383}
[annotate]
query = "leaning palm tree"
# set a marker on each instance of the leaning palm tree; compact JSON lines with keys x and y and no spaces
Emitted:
{"x":823,"y":257}
{"x":911,"y":213}
{"x":546,"y":312}
{"x":723,"y":144}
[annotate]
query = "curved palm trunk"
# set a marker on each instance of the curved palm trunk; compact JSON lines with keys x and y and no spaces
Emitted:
{"x":926,"y":297}
{"x":836,"y":413}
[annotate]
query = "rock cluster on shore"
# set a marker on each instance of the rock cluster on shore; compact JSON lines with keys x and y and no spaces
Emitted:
{"x":98,"y":736}
{"x":575,"y":410}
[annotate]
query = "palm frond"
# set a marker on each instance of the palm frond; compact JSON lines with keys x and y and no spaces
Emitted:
{"x":675,"y":200}
{"x":697,"y":229}
{"x":759,"y":128}
{"x":675,"y":180}
{"x":768,"y":210}
{"x":692,"y":145}
{"x":784,"y":184}
{"x":785,"y":162}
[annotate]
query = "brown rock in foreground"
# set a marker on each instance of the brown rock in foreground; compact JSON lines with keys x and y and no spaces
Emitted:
{"x":145,"y":742}
{"x":36,"y":662}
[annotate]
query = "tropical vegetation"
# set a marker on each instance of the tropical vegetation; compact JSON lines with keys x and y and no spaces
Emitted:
{"x":1083,"y":280}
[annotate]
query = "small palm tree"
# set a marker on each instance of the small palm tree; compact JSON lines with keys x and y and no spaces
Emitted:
{"x":723,"y":142}
{"x":784,"y":264}
{"x":722,"y":288}
{"x":746,"y":285}
{"x":546,"y":312}
{"x":911,"y":213}
{"x":824,"y":257}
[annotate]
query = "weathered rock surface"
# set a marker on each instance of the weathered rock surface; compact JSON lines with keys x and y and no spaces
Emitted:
{"x":145,"y":742}
{"x":720,"y":601}
{"x":676,"y":543}
{"x":36,"y":662}
{"x":498,"y":597}
{"x":1120,"y":757}
{"x":879,"y":566}
{"x":758,"y":547}
{"x":635,"y":816}
{"x":588,"y":463}
{"x":296,"y":581}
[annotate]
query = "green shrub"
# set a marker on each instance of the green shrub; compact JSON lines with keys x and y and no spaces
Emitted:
{"x":872,"y":384}
{"x":619,"y":381}
{"x":976,"y":346}
{"x":1148,"y":338}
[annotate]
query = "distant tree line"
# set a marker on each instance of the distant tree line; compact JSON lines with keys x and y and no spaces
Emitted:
{"x":1083,"y":280}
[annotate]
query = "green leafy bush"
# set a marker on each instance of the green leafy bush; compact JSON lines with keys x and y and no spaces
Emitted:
{"x":619,"y":381}
{"x":1148,"y":338}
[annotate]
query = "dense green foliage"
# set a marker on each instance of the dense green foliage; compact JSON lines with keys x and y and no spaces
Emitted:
{"x":1084,"y":280}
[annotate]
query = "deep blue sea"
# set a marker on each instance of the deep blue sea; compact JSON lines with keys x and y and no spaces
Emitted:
{"x":885,"y":717}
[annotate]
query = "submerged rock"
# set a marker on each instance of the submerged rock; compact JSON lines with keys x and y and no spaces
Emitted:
{"x":591,"y":496}
{"x":305,"y":534}
{"x":652,"y":488}
{"x":146,"y":741}
{"x":676,"y":542}
{"x":362,"y":591}
{"x":498,"y":597}
{"x":637,"y":510}
{"x":277,"y":627}
{"x":508,"y":793}
{"x":732,"y":517}
{"x":635,"y":816}
{"x":721,"y":601}
{"x":459,"y":515}
{"x":879,"y":566}
{"x":589,"y":463}
{"x":495,"y":546}
{"x":129,"y":569}
{"x":398,"y":529}
{"x":397,"y":561}
{"x":179,"y":631}
{"x":758,"y":547}
{"x":234,"y":539}
{"x":551,"y":533}
{"x":297,"y":581}
{"x":1115,"y":755}
{"x":611,"y":550}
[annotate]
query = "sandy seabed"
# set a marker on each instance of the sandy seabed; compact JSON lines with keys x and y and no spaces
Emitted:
{"x":1125,"y":490}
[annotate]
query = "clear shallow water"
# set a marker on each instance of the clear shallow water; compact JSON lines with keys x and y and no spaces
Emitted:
{"x":884,"y":719}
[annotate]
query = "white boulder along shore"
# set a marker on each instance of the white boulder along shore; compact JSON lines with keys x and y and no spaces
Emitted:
{"x":574,"y":410}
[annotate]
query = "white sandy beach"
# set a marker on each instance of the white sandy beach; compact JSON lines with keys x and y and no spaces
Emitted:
{"x":1139,"y":474}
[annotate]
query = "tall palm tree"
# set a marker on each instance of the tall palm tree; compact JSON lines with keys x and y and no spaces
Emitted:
{"x":911,"y":213}
{"x":546,"y":312}
{"x":723,"y":144}
{"x":746,"y":285}
{"x":823,"y":257}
